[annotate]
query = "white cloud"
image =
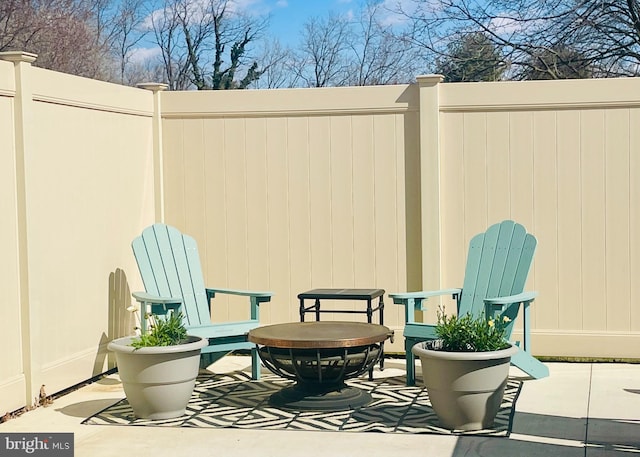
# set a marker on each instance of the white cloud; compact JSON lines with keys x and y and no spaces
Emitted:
{"x":249,"y":7}
{"x":349,"y":15}
{"x":141,"y":55}
{"x":388,"y":11}
{"x":505,"y":25}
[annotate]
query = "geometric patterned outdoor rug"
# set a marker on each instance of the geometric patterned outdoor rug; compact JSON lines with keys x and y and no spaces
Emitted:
{"x":233,"y":400}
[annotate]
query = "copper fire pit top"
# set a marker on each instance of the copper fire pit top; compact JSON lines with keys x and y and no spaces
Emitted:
{"x":324,"y":334}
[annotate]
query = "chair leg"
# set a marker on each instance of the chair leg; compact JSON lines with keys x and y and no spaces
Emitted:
{"x":411,"y":365}
{"x":529,"y":364}
{"x":209,"y":358}
{"x":255,"y":364}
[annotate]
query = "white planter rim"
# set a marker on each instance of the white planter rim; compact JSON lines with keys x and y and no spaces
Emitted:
{"x":421,"y":351}
{"x":123,"y":345}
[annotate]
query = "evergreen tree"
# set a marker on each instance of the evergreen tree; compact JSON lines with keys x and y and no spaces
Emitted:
{"x":472,"y":57}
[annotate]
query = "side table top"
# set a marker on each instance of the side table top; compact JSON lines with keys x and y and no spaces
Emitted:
{"x":326,"y":334}
{"x":342,"y":294}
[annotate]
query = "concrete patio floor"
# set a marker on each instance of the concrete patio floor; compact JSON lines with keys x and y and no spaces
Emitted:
{"x":581,"y":409}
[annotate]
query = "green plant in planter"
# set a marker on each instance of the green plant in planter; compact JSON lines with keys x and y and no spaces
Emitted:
{"x":158,"y":368}
{"x":167,"y":331}
{"x":465,"y":370}
{"x":469,"y":334}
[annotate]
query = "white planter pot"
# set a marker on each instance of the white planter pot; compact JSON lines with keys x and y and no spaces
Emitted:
{"x":158,"y":381}
{"x":465,"y":388}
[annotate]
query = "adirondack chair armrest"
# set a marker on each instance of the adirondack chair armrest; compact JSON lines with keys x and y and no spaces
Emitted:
{"x":524,"y":297}
{"x":497,"y":305}
{"x":159,"y":305}
{"x":259,"y":296}
{"x":255,"y":298}
{"x":403,"y":297}
{"x":146,"y":298}
{"x":504,"y":306}
{"x":413,"y":301}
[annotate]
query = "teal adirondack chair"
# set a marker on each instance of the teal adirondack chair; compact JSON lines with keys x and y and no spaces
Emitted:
{"x":498,"y":264}
{"x":171,"y":272}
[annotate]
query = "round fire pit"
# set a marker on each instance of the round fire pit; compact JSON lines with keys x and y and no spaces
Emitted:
{"x":320,"y":356}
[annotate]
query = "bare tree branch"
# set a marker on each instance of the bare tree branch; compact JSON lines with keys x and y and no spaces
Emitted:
{"x":538,"y":38}
{"x":196,"y":37}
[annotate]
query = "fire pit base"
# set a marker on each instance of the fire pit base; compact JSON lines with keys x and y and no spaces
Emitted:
{"x":320,"y":376}
{"x":320,"y":356}
{"x":301,"y":397}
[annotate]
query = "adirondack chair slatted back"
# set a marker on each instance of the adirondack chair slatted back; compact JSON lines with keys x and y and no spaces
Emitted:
{"x":170,"y":267}
{"x":498,"y":264}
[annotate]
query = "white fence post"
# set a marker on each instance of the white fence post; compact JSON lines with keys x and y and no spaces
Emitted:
{"x":31,"y":363}
{"x":158,"y":174}
{"x":430,"y":179}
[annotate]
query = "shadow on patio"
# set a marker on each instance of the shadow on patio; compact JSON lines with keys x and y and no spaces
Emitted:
{"x":580,"y":410}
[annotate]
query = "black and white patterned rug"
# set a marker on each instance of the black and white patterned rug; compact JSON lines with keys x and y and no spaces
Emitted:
{"x":233,"y":400}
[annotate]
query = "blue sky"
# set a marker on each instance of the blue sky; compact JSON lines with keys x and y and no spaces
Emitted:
{"x":288,"y":16}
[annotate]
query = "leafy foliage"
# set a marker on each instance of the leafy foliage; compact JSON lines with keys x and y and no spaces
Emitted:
{"x":166,"y":331}
{"x":469,"y":334}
